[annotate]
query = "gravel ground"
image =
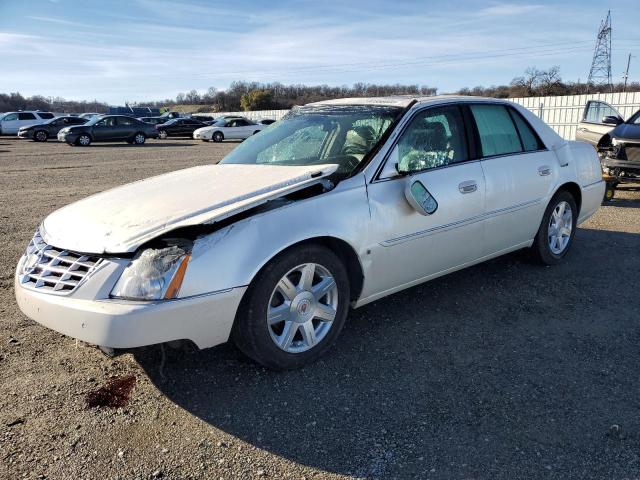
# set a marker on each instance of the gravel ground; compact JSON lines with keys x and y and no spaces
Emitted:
{"x":504,"y":370}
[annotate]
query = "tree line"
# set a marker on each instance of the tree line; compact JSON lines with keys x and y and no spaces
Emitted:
{"x":248,"y":96}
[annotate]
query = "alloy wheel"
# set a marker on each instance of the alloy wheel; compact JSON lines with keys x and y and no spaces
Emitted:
{"x":560,"y":227}
{"x":302,"y":308}
{"x":84,"y":140}
{"x":139,"y":139}
{"x":41,"y":136}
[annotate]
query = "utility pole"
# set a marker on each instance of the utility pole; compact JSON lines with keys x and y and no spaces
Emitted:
{"x":600,"y":72}
{"x":626,"y":74}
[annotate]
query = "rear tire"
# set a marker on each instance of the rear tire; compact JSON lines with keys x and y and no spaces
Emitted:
{"x":217,"y":137}
{"x":556,"y":232}
{"x":264,"y":340}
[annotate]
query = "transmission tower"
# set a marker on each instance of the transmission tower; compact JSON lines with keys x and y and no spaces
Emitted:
{"x":600,"y":73}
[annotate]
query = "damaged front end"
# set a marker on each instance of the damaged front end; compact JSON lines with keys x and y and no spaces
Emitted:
{"x":621,"y":158}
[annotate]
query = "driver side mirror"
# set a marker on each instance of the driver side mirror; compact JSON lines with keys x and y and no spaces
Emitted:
{"x":419,"y":197}
{"x":612,"y":120}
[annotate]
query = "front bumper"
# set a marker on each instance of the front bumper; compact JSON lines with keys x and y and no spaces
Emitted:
{"x":25,"y":134}
{"x":202,"y":135}
{"x":204,"y":319}
{"x":67,"y":137}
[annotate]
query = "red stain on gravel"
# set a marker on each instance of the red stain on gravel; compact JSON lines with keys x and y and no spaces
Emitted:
{"x":114,"y":394}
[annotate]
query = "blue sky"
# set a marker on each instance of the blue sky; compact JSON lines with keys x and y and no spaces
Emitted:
{"x":133,"y":50}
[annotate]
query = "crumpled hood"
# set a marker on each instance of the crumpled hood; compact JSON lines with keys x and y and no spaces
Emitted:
{"x":121,"y":219}
{"x":625,"y":132}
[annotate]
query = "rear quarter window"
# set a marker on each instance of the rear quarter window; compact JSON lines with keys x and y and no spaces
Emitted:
{"x":46,"y":116}
{"x":530,"y":140}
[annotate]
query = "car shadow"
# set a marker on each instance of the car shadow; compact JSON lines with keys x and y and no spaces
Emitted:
{"x":466,"y":376}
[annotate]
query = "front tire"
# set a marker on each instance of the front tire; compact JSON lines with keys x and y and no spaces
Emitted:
{"x":294,"y":309}
{"x":556,"y":232}
{"x":217,"y":137}
{"x":162,"y":134}
{"x":84,"y":140}
{"x":40,"y":136}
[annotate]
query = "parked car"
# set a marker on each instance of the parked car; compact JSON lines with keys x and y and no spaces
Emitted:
{"x":12,"y":121}
{"x":41,"y":132}
{"x":339,"y":204}
{"x":179,"y":127}
{"x":206,"y":119}
{"x":617,"y":140}
{"x":108,"y":128}
{"x":153,"y":120}
{"x":89,"y":115}
{"x":228,"y":129}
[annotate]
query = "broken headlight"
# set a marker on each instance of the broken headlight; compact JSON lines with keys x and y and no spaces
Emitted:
{"x":154,"y":274}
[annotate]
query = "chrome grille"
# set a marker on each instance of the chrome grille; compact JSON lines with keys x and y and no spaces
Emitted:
{"x":54,"y":270}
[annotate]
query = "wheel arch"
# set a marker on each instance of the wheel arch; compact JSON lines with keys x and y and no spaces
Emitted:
{"x":343,"y":250}
{"x":575,"y":191}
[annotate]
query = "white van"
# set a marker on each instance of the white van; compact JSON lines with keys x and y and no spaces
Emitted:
{"x":11,"y":122}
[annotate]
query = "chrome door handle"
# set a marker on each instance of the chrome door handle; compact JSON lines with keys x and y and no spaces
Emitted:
{"x":544,"y":170}
{"x":469,"y":186}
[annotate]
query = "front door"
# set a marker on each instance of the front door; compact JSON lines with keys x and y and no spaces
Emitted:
{"x":105,"y":130}
{"x":409,"y":247}
{"x":591,"y":128}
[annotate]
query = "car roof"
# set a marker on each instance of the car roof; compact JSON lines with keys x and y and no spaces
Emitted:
{"x":404,"y":100}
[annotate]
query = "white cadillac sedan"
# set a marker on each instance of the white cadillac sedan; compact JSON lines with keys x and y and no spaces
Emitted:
{"x":228,"y":128}
{"x":339,"y":204}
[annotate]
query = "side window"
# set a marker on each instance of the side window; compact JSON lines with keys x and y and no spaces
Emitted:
{"x":107,"y":122}
{"x":26,"y":116}
{"x":11,"y":117}
{"x":434,"y":138}
{"x":498,"y":134}
{"x":125,"y":121}
{"x":45,"y":115}
{"x":530,"y":140}
{"x":595,"y":110}
{"x":77,"y":121}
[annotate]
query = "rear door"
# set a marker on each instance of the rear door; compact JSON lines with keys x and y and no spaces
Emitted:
{"x":519,"y":172}
{"x":591,"y":128}
{"x":25,"y":119}
{"x":410,"y":247}
{"x":126,"y":128}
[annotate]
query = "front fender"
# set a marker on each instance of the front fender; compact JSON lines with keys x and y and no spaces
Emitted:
{"x":232,"y":256}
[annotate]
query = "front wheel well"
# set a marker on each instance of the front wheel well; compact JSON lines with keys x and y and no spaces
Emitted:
{"x":574,"y":190}
{"x":345,"y":252}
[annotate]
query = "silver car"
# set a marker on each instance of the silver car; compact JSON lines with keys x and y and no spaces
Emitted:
{"x":339,"y":204}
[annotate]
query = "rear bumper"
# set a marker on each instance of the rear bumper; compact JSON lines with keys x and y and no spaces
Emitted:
{"x":205,"y":319}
